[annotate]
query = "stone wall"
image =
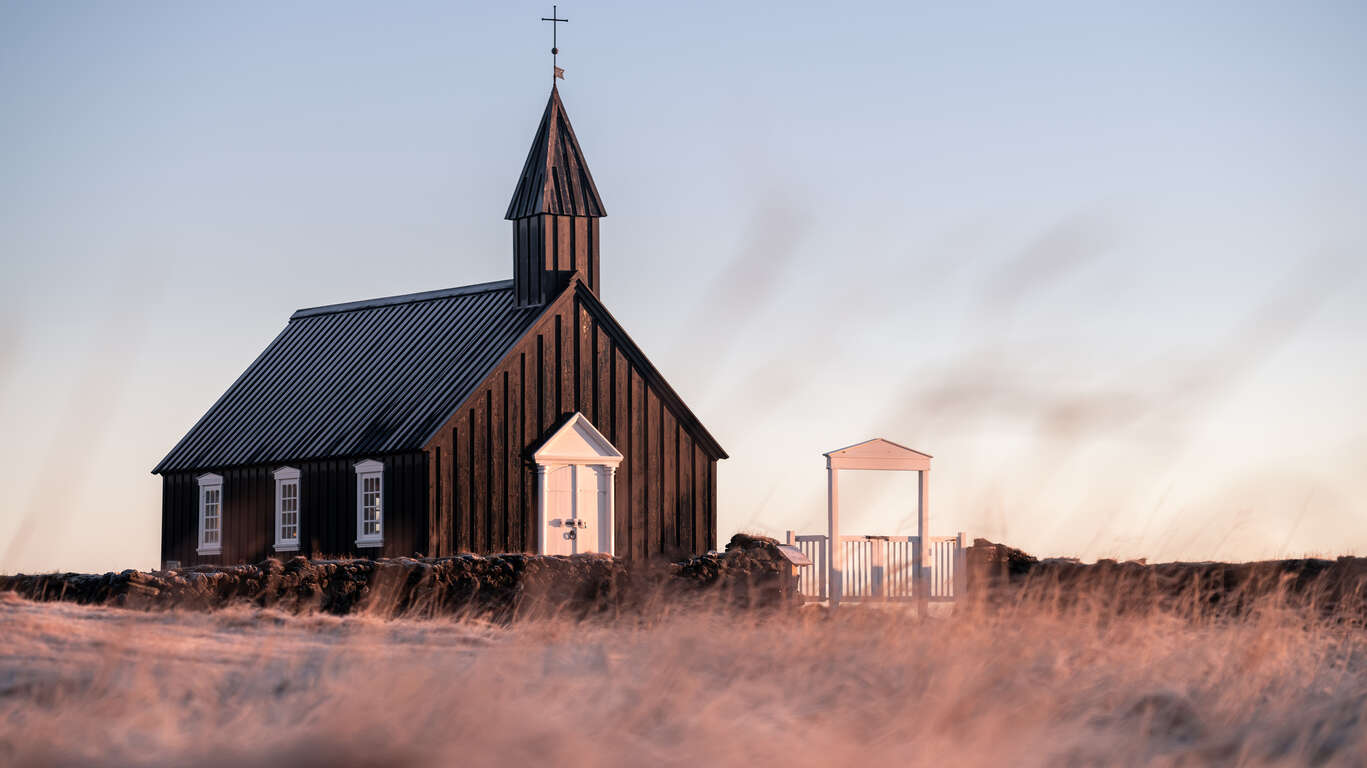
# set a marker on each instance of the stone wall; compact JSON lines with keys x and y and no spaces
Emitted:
{"x":749,"y":574}
{"x":998,"y":573}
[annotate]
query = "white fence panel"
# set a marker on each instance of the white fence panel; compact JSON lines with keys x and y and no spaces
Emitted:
{"x":901,"y":569}
{"x":942,"y":562}
{"x":883,"y":568}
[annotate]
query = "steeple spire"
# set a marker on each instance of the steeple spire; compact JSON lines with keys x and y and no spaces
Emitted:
{"x":554,"y":210}
{"x":555,"y":178}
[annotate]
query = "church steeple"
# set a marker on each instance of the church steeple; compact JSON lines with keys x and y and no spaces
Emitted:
{"x":555,"y":211}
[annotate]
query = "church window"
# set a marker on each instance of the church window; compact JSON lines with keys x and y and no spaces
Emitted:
{"x":210,"y":514}
{"x":369,"y":504}
{"x":286,"y":509}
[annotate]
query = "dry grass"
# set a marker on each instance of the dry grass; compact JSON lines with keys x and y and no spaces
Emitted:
{"x":1012,"y":686}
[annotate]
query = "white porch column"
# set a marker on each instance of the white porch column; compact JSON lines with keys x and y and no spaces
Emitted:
{"x":542,"y":505}
{"x":612,"y":509}
{"x":923,"y":543}
{"x":833,"y":546}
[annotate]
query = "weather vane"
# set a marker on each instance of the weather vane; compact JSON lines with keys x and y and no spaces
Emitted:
{"x":555,"y":48}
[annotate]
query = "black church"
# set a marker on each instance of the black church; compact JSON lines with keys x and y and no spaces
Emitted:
{"x":514,"y":416}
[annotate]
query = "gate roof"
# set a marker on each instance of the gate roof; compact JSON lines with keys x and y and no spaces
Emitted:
{"x":877,"y":454}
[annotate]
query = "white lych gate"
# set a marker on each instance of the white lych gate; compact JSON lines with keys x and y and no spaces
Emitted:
{"x":920,"y":568}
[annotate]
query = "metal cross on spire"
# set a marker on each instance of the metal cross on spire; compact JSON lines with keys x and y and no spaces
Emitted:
{"x":555,"y":21}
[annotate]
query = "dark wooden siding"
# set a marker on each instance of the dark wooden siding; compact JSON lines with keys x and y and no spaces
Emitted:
{"x":327,"y":510}
{"x":574,"y":359}
{"x":547,"y":249}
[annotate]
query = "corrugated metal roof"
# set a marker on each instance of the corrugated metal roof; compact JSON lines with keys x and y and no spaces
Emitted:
{"x":365,"y":377}
{"x":555,"y":178}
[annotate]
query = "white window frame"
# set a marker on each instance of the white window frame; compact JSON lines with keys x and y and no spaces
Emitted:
{"x":283,"y":477}
{"x":366,"y":470}
{"x":210,"y":482}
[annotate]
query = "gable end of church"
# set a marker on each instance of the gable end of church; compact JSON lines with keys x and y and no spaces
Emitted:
{"x":577,"y":359}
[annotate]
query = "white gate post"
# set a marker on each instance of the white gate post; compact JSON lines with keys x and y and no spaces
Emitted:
{"x":878,"y":549}
{"x":836,"y":581}
{"x":790,"y":538}
{"x":923,"y":544}
{"x":824,"y":551}
{"x":961,"y":567}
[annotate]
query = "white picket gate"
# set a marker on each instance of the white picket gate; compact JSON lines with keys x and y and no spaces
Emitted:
{"x":883,"y":568}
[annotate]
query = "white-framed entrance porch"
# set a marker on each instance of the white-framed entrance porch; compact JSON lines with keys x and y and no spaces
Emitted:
{"x":576,"y":469}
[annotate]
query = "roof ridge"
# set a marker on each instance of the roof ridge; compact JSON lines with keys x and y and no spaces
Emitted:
{"x":406,"y":298}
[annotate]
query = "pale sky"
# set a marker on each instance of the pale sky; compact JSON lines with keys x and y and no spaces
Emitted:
{"x":1105,"y":263}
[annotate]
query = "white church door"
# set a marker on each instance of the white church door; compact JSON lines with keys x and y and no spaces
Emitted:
{"x":576,"y":468}
{"x":560,"y":533}
{"x":577,"y":510}
{"x":590,"y":508}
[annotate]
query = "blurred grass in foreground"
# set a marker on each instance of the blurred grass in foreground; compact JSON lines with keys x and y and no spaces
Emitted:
{"x":1035,"y":681}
